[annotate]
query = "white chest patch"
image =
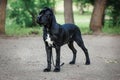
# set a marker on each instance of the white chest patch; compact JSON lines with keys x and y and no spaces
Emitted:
{"x":48,"y":40}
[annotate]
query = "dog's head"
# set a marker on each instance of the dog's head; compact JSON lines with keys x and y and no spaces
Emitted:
{"x":45,"y":16}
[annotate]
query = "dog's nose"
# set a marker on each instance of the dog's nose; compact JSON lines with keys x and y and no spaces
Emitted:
{"x":38,"y":17}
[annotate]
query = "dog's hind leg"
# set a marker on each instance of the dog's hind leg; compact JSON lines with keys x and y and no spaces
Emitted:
{"x":70,"y":44}
{"x":80,"y":43}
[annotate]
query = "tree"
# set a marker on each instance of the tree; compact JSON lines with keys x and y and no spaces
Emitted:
{"x":114,"y":12}
{"x":97,"y":15}
{"x":3,"y":4}
{"x":101,"y":7}
{"x":24,"y":12}
{"x":81,"y":4}
{"x":68,"y":11}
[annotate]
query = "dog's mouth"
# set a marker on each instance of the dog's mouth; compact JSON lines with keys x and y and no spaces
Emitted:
{"x":40,"y":23}
{"x":43,"y":20}
{"x":38,"y":20}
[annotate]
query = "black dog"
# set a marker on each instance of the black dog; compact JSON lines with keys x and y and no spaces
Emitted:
{"x":56,"y":35}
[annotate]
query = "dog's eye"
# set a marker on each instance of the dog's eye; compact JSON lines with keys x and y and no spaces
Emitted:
{"x":47,"y":16}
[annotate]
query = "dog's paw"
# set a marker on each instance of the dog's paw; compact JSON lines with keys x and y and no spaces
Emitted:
{"x":47,"y":70}
{"x":56,"y":70}
{"x":72,"y":62}
{"x":87,"y":63}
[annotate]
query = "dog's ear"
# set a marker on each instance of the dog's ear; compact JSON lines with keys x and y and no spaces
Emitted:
{"x":48,"y":10}
{"x":42,"y":12}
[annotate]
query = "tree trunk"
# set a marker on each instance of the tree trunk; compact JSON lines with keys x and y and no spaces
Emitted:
{"x":68,"y":11}
{"x":97,"y":16}
{"x":81,"y":9}
{"x":3,"y":4}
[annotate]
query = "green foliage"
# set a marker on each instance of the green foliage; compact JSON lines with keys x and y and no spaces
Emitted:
{"x":114,"y":12}
{"x":24,"y":12}
{"x":112,"y":7}
{"x":15,"y":30}
{"x":84,"y":2}
{"x":81,"y":4}
{"x":80,"y":20}
{"x":111,"y":30}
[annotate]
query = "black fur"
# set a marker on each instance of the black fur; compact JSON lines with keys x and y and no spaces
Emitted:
{"x":60,"y":35}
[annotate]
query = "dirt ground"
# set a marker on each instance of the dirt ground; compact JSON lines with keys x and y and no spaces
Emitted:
{"x":24,"y":58}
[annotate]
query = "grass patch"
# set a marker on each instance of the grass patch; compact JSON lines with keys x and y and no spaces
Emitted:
{"x":108,"y":29}
{"x":111,"y":30}
{"x":16,"y":30}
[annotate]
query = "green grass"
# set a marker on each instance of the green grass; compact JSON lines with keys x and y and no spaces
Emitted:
{"x":111,"y":30}
{"x":16,"y":30}
{"x":108,"y":29}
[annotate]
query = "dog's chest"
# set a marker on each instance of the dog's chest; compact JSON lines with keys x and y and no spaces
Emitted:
{"x":48,"y":40}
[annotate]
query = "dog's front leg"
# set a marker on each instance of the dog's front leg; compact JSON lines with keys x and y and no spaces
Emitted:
{"x":49,"y":53}
{"x":57,"y":67}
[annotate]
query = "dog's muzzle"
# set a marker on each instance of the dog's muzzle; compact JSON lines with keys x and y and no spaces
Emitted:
{"x":38,"y":20}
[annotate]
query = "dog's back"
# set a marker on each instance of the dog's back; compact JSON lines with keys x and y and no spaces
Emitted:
{"x":71,"y":28}
{"x":68,"y":32}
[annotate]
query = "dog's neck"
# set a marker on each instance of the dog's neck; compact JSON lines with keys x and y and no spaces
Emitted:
{"x":53,"y":24}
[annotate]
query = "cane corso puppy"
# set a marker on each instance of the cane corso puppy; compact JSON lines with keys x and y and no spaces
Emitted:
{"x":56,"y":35}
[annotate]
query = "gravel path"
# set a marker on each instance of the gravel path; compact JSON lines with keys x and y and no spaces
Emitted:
{"x":24,"y":58}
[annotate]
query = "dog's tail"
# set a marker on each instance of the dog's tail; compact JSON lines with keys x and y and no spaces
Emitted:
{"x":62,"y":64}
